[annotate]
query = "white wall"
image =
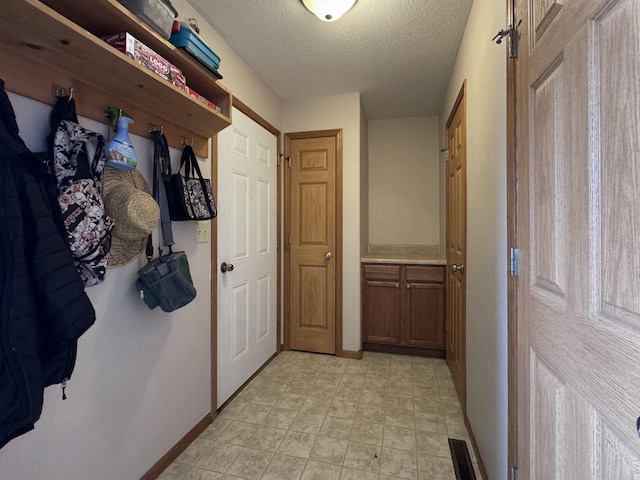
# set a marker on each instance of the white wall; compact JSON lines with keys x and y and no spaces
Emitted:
{"x":238,"y":76}
{"x":404,"y":181}
{"x":133,"y":368}
{"x":483,"y":64}
{"x":142,"y":379}
{"x":327,"y":113}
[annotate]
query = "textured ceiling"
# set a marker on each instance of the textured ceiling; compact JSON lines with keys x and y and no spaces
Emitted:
{"x":397,"y":53}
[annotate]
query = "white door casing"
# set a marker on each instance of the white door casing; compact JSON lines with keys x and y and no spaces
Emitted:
{"x":247,"y":239}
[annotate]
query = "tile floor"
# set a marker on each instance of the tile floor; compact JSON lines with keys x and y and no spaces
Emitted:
{"x":317,"y":417}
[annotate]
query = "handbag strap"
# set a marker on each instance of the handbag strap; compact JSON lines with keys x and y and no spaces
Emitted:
{"x":63,"y":109}
{"x":161,"y":165}
{"x":191,"y":162}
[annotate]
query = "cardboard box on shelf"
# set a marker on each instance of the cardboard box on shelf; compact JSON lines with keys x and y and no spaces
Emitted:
{"x":202,"y":99}
{"x":138,"y":51}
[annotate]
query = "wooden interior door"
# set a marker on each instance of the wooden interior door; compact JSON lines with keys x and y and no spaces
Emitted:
{"x":312,"y":242}
{"x":456,"y":245}
{"x":578,"y":228}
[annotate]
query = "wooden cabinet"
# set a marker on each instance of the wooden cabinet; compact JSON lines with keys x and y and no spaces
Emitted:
{"x":382,"y":304}
{"x":425,"y":306}
{"x":58,"y":41}
{"x":403,"y":308}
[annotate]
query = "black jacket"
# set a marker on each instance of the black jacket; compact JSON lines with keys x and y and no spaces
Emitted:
{"x":43,"y":306}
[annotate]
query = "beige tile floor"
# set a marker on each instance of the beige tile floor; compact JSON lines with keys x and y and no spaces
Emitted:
{"x":317,"y":417}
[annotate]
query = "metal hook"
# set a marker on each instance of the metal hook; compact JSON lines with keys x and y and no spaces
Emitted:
{"x":58,"y":91}
{"x":501,"y":34}
{"x":512,"y":32}
{"x":191,"y":144}
{"x":70,"y":93}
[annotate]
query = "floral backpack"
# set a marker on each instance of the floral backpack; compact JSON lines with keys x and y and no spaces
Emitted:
{"x":78,"y":161}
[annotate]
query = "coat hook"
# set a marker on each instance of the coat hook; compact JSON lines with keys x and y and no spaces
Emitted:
{"x":58,"y":91}
{"x":70,"y":93}
{"x":191,"y":144}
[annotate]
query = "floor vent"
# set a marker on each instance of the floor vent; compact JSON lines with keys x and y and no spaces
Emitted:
{"x":461,"y":460}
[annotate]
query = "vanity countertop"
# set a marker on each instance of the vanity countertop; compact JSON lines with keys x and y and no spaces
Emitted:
{"x":405,"y":259}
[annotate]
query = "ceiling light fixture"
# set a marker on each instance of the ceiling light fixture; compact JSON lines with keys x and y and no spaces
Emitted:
{"x":328,"y":10}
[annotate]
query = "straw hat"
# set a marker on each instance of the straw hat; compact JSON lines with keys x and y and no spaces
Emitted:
{"x":128,"y":202}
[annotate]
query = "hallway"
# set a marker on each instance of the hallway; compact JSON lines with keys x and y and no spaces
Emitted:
{"x":309,"y":416}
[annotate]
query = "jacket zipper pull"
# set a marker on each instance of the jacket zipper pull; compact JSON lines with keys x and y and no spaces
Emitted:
{"x":64,"y":386}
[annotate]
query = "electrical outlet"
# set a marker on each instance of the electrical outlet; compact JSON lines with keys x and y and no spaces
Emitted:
{"x":202,"y":231}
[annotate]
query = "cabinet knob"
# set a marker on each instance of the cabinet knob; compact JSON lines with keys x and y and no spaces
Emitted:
{"x":408,"y":285}
{"x":397,"y":285}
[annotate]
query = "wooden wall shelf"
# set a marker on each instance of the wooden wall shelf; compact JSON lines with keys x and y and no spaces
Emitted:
{"x":39,"y":45}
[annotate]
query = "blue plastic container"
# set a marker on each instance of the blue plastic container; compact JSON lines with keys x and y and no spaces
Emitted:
{"x":189,"y":40}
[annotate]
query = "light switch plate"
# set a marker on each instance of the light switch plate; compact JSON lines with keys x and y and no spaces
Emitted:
{"x":202,"y":231}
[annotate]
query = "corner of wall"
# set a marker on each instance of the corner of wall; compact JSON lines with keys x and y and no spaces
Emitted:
{"x":483,"y":65}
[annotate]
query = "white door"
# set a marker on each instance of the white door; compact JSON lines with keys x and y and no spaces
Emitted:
{"x":247,"y":229}
{"x":578,"y":167}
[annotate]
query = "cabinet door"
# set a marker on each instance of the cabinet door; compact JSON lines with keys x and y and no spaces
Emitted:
{"x":381,"y":311}
{"x":425,"y":311}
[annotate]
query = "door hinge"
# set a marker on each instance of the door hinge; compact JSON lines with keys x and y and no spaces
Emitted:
{"x":514,"y":261}
{"x":446,"y":240}
{"x":514,"y":38}
{"x":289,"y":160}
{"x":514,"y":474}
{"x":279,"y":158}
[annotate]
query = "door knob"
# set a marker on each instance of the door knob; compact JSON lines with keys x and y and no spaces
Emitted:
{"x":457,"y":268}
{"x":226,"y":267}
{"x":327,"y":256}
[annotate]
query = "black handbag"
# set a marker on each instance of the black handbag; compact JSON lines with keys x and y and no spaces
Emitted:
{"x":189,"y":195}
{"x":166,"y":280}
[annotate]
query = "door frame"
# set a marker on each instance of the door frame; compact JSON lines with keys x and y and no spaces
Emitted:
{"x":512,"y":242}
{"x":245,"y":109}
{"x":337,"y":134}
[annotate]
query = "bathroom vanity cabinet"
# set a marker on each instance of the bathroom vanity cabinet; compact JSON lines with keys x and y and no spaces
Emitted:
{"x":403,"y":308}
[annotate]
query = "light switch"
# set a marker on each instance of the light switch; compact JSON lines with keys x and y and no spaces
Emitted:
{"x":202,"y":231}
